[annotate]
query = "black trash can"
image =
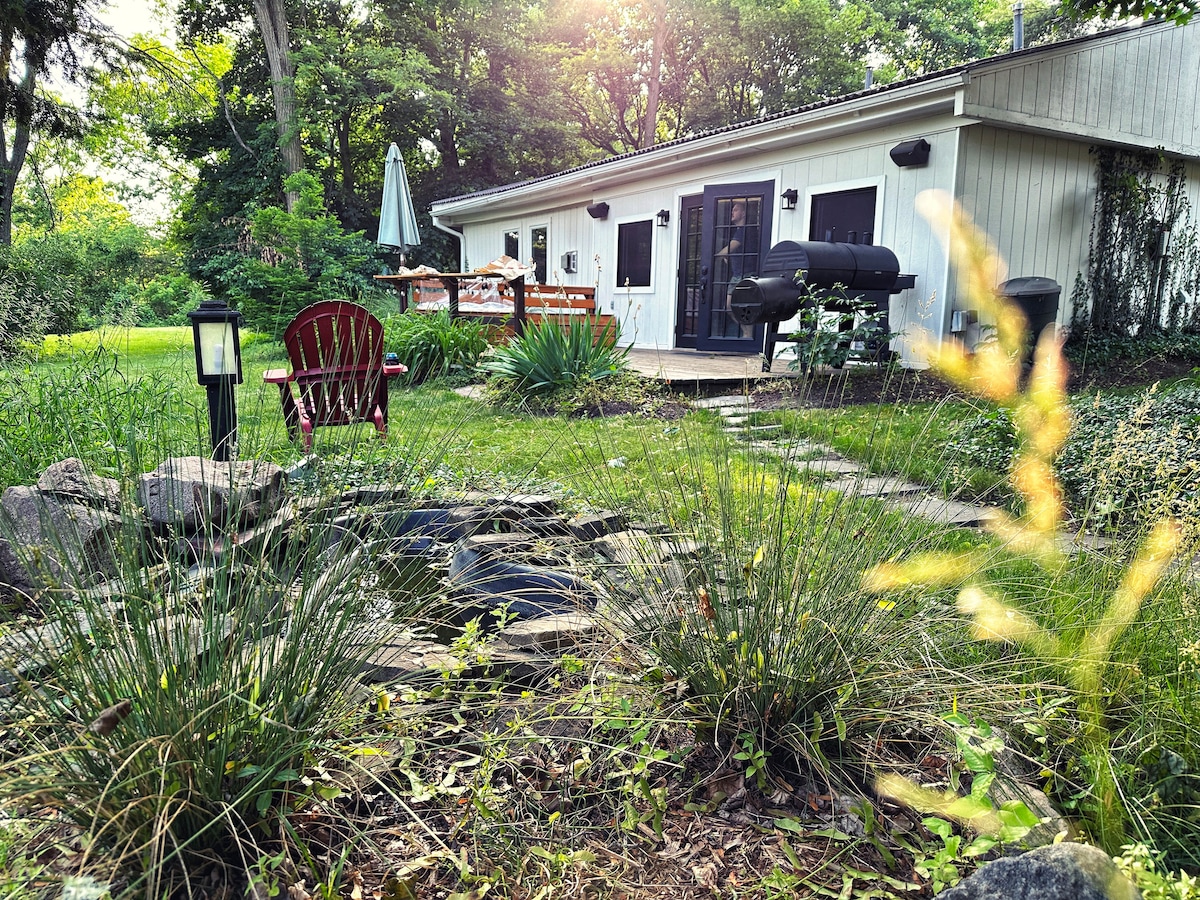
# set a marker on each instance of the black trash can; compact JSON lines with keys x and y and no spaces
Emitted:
{"x":1037,"y":298}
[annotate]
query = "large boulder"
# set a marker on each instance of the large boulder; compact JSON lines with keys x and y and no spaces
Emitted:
{"x":190,"y":492}
{"x":70,"y":479}
{"x":45,"y":538}
{"x":1054,"y":872}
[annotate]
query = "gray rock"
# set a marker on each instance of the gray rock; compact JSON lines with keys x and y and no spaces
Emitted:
{"x":52,"y":538}
{"x":71,"y":480}
{"x":1055,"y":872}
{"x":190,"y":491}
{"x":550,"y":633}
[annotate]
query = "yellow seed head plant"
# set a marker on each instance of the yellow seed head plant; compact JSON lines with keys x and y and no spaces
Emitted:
{"x":1038,"y":407}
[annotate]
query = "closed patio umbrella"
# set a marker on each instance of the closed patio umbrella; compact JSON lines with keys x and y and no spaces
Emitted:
{"x":397,"y":218}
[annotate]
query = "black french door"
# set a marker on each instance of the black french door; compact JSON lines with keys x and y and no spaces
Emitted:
{"x":734,"y":235}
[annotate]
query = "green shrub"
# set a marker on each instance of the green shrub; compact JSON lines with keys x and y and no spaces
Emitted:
{"x":1134,"y":459}
{"x":434,"y":346}
{"x":987,"y":440}
{"x":286,"y":261}
{"x":548,"y":357}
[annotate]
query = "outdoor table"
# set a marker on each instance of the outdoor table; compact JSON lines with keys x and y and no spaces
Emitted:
{"x":403,"y":284}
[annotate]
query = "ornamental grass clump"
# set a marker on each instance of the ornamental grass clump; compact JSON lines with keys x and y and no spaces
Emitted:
{"x":759,"y":611}
{"x":177,"y":719}
{"x":175,"y":695}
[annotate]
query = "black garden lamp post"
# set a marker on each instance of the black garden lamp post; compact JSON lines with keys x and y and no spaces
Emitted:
{"x":218,"y":368}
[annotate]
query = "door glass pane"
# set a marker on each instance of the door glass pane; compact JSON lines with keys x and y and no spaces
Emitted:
{"x":691,"y":284}
{"x":512,"y":244}
{"x":737,"y":238}
{"x":539,"y":253}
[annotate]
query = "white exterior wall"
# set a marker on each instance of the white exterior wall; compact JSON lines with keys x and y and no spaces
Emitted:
{"x":846,"y":162}
{"x":1135,"y":87}
{"x":1035,"y":197}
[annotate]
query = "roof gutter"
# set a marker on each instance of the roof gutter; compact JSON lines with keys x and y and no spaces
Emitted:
{"x":457,"y":235}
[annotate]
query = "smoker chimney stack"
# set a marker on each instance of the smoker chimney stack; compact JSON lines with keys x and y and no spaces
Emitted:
{"x":1018,"y":26}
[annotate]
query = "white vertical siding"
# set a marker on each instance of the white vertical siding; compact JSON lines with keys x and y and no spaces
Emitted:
{"x":1033,"y":196}
{"x":1136,"y":87}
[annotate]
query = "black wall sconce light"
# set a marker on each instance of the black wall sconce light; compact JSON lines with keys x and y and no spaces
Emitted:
{"x":788,"y":198}
{"x":218,"y":368}
{"x":663,"y":216}
{"x":908,"y":154}
{"x":598,"y":210}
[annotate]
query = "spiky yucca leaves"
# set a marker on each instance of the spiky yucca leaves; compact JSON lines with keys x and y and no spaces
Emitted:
{"x":549,"y":357}
{"x":1040,"y":412}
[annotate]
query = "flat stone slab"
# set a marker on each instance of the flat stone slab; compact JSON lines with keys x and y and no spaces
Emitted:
{"x":730,"y":401}
{"x":948,"y":512}
{"x":829,"y":465}
{"x":550,"y":634}
{"x":875,"y":486}
{"x":407,"y":656}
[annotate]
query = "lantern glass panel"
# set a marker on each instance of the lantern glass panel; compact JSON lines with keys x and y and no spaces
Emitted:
{"x":218,"y":355}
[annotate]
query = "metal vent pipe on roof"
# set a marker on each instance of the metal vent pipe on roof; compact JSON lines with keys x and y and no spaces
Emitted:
{"x":1018,"y":26}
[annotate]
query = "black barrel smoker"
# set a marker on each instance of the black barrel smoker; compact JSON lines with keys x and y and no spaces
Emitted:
{"x":801,"y":274}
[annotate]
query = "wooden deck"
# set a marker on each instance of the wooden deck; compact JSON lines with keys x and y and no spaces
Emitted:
{"x":698,"y":369}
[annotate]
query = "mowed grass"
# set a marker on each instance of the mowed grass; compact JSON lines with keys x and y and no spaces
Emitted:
{"x":122,"y":399}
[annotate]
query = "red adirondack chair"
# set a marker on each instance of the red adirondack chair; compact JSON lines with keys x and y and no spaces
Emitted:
{"x":336,"y":351}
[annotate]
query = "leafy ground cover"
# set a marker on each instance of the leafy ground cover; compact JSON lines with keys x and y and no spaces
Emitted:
{"x":728,"y":745}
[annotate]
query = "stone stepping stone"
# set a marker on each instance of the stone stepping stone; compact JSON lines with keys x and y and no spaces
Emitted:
{"x":948,"y":512}
{"x":830,"y":465}
{"x":874,"y":486}
{"x":729,"y":401}
{"x":550,"y":634}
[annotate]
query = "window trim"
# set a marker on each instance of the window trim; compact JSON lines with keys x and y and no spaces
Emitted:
{"x":648,"y":219}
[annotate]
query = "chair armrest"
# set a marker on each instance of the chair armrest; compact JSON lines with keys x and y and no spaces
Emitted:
{"x":392,"y":371}
{"x":277,"y":376}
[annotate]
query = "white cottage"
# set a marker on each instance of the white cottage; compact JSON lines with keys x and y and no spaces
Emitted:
{"x":1008,"y":136}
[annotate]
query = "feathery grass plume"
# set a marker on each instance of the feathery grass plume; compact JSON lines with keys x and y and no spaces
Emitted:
{"x":1039,"y":410}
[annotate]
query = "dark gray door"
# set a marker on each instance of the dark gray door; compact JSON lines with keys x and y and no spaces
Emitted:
{"x":735,"y":232}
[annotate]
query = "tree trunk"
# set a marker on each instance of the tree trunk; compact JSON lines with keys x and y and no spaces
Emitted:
{"x":12,"y":162}
{"x":654,"y":86}
{"x":272,"y":24}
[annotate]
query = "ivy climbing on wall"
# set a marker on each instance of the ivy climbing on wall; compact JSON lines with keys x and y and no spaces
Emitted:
{"x":1144,"y":257}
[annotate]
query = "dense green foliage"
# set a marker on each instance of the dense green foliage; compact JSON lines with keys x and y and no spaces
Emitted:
{"x":1144,"y":253}
{"x":551,"y":356}
{"x":434,"y":346}
{"x":1134,"y":459}
{"x":285,"y":261}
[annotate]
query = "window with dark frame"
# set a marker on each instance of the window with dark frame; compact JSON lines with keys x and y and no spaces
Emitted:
{"x":635,"y":246}
{"x":512,"y":244}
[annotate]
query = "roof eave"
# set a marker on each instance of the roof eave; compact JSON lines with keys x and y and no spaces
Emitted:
{"x":858,"y":112}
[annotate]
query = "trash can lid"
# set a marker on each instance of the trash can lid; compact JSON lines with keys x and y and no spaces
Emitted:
{"x":1030,"y":286}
